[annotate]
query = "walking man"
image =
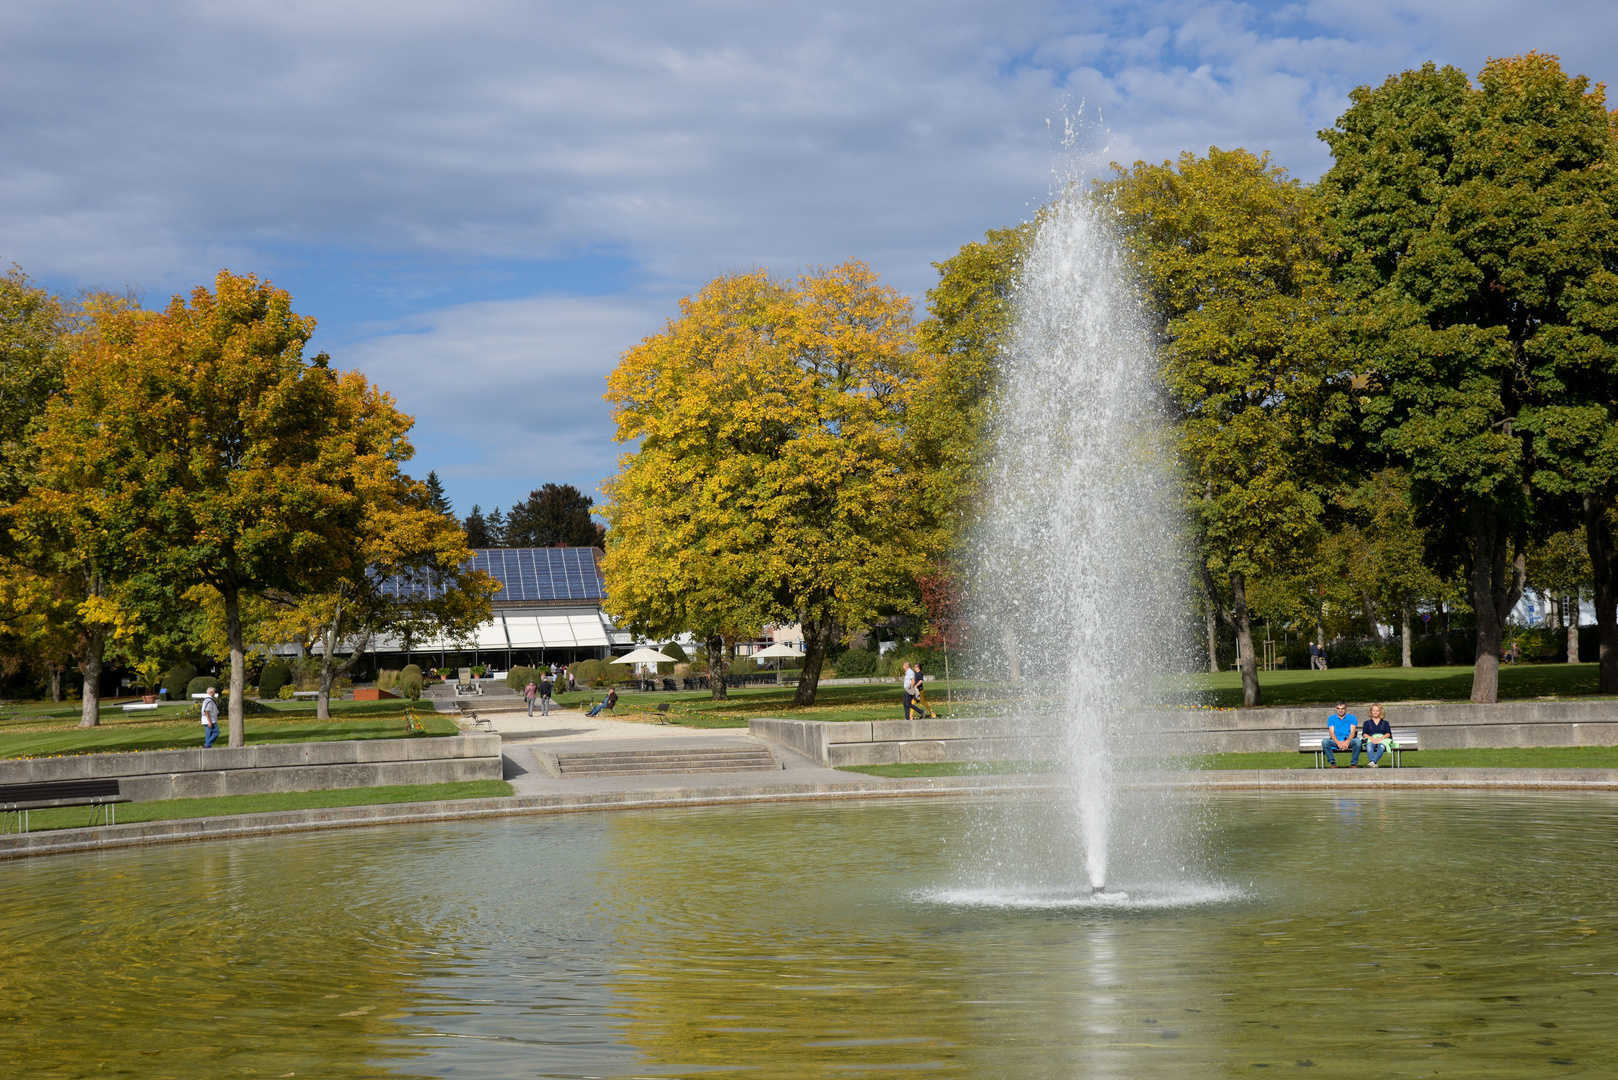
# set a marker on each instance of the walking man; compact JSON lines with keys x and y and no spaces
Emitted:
{"x":210,"y":718}
{"x":528,"y":693}
{"x":1342,"y":733}
{"x":545,"y":688}
{"x":909,"y":690}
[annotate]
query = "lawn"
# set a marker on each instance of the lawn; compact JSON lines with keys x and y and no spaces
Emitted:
{"x":1517,"y":682}
{"x":74,"y":817}
{"x":48,"y":730}
{"x":866,"y":701}
{"x":1539,"y":757}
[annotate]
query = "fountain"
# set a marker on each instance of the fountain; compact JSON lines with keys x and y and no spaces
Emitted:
{"x":1079,"y":550}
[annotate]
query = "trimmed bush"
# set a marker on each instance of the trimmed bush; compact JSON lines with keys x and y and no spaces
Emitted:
{"x":178,"y":678}
{"x":410,"y":682}
{"x":856,"y":664}
{"x":673,"y":649}
{"x":270,"y":681}
{"x":199,"y":685}
{"x":518,"y":677}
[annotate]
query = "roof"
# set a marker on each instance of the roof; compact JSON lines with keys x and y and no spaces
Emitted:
{"x":534,"y":575}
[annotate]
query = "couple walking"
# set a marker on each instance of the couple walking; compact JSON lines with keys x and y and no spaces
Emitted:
{"x":915,"y":692}
{"x":541,"y":693}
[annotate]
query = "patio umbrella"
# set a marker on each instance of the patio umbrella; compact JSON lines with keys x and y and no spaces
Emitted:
{"x":643,"y":656}
{"x":778,"y":650}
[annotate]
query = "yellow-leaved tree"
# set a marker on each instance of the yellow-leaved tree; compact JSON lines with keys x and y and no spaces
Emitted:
{"x":206,"y":450}
{"x":772,"y":481}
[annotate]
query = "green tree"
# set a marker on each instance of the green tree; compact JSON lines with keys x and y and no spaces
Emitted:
{"x":1559,"y":568}
{"x":1232,"y":254}
{"x":1478,"y":225}
{"x":437,"y":497}
{"x":773,"y":481}
{"x":555,"y":515}
{"x":208,"y":451}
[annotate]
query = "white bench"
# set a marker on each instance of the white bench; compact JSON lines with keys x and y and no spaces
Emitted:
{"x":1404,"y":739}
{"x":138,"y":706}
{"x":305,"y":694}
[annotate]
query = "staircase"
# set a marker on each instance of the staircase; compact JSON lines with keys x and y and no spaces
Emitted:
{"x":732,"y":757}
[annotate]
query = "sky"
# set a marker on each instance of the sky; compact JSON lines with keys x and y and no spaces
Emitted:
{"x":483,"y":204}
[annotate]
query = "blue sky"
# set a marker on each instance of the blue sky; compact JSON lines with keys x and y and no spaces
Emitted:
{"x":484,"y":203}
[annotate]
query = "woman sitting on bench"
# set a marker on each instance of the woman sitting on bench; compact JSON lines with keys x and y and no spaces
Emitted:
{"x":1378,"y":735}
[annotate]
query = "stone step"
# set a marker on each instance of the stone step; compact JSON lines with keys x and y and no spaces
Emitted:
{"x":673,"y":760}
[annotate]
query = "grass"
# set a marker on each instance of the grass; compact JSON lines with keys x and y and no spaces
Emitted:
{"x":1517,"y":682}
{"x":869,"y":701}
{"x":46,"y":730}
{"x":73,"y":817}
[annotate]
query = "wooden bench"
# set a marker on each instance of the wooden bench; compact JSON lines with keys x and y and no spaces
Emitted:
{"x":1404,"y":739}
{"x":97,"y":794}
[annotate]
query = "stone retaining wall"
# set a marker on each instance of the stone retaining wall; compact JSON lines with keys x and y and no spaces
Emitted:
{"x":265,"y":769}
{"x":1454,"y":726}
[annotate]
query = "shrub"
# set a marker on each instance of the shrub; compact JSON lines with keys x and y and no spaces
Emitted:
{"x":199,"y":685}
{"x":410,"y":684}
{"x":856,"y":664}
{"x":598,"y":672}
{"x":387,"y":678}
{"x":178,"y":678}
{"x":274,"y":676}
{"x":284,"y":693}
{"x":673,"y":649}
{"x":411,"y":669}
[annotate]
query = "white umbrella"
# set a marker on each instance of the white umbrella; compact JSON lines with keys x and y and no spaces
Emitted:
{"x":779,"y":650}
{"x":644,"y":656}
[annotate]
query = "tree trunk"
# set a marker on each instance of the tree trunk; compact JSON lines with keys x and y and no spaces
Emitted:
{"x":1570,"y":619}
{"x":1008,"y":638}
{"x":56,"y":683}
{"x":716,"y":667}
{"x":1449,"y":646}
{"x":1598,"y":537}
{"x":1495,"y":582}
{"x":817,"y":637}
{"x":1251,"y":695}
{"x":95,"y":645}
{"x":1404,"y":635}
{"x":1372,"y":626}
{"x":328,"y":669}
{"x":1213,"y":638}
{"x":238,"y":666}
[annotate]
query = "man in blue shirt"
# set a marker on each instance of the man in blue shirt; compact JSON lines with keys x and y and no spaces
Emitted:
{"x":1342,"y":733}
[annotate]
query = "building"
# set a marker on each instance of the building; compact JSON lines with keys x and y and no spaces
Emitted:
{"x":548,"y":610}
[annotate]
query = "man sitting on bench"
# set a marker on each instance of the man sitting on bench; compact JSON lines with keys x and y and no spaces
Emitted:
{"x":1342,"y":733}
{"x":608,"y":702}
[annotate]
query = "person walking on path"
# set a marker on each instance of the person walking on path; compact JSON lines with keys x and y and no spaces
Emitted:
{"x":210,"y":718}
{"x":1342,"y":733}
{"x":545,"y":688}
{"x":920,"y":696}
{"x":909,"y":690}
{"x":528,"y":694}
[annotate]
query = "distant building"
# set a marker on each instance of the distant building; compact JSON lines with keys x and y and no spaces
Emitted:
{"x":548,"y":610}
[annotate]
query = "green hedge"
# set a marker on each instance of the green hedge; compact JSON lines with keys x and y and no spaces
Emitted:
{"x":178,"y":678}
{"x":856,"y":664}
{"x":274,"y":676}
{"x":199,"y":685}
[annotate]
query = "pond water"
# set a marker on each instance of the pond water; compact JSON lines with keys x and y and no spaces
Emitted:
{"x":1387,"y":935}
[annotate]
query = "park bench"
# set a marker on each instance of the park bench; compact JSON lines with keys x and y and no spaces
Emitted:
{"x":97,"y":794}
{"x":1406,"y":740}
{"x":302,"y":695}
{"x":138,"y":706}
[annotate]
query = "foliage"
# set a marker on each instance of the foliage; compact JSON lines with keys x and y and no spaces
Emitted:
{"x":941,"y":597}
{"x":484,"y":532}
{"x":970,"y":316}
{"x":856,"y":664}
{"x":675,"y":650}
{"x":1479,"y":232}
{"x":200,"y":685}
{"x":773,"y":481}
{"x":410,"y":682}
{"x":437,"y":498}
{"x":272,"y":678}
{"x":555,"y":515}
{"x":285,"y":692}
{"x":1233,"y":255}
{"x":178,"y":679}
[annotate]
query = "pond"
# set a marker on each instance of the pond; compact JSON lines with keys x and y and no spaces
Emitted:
{"x":1388,"y":935}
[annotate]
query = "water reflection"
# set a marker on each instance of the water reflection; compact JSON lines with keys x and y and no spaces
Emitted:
{"x":1397,"y":935}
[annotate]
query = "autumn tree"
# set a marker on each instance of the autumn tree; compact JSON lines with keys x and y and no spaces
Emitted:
{"x":555,"y":515}
{"x":211,"y":452}
{"x":1232,"y":254}
{"x":772,"y":480}
{"x":1478,"y":229}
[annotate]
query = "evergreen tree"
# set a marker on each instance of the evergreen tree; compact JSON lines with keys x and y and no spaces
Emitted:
{"x":436,"y":496}
{"x":476,"y":527}
{"x":556,"y":515}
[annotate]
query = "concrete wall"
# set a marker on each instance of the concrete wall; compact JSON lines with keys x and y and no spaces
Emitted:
{"x":1194,"y":731}
{"x":896,"y":742}
{"x":261,"y":770}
